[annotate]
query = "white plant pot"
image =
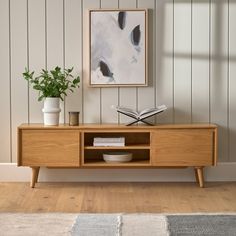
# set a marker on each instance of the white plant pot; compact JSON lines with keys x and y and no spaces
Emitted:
{"x":51,"y":111}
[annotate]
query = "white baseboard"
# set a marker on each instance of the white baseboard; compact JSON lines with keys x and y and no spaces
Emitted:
{"x":9,"y":172}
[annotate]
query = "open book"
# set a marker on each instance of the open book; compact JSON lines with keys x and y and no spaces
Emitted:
{"x":142,"y":114}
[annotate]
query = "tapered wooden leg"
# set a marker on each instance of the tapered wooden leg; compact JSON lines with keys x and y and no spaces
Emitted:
{"x":34,"y":178}
{"x":199,"y":176}
{"x":196,"y":175}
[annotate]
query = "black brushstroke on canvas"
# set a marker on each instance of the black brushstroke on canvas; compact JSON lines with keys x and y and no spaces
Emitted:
{"x":122,"y":19}
{"x":105,"y":69}
{"x":136,"y":35}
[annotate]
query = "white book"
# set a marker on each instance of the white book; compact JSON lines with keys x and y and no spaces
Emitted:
{"x":109,"y":141}
{"x":108,"y":144}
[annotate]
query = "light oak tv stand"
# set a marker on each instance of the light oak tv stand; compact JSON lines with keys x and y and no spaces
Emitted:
{"x":168,"y":146}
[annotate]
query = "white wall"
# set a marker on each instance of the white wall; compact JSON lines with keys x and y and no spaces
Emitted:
{"x":192,"y":64}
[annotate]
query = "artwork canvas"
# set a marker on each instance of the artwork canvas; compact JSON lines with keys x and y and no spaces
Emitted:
{"x":118,"y":47}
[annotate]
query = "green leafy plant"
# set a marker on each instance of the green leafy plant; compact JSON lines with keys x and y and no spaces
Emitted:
{"x":53,"y":83}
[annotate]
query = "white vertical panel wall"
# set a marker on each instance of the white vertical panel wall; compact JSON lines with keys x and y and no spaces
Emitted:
{"x":219,"y":73}
{"x":191,"y":64}
{"x":200,"y":60}
{"x":19,"y":53}
{"x":146,"y":95}
{"x":164,"y":23}
{"x":37,"y":53}
{"x":232,"y":80}
{"x":182,"y":61}
{"x":91,"y":96}
{"x":73,"y":47}
{"x":5,"y":117}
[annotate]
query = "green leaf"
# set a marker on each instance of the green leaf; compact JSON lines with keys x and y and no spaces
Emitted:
{"x":40,"y":98}
{"x":53,"y":83}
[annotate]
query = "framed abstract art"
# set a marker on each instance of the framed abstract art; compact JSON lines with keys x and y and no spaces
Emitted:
{"x":118,"y":47}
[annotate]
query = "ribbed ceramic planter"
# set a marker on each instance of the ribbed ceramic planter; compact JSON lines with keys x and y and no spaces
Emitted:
{"x":51,"y":111}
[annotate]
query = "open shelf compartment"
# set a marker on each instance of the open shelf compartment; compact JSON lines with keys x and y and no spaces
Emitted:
{"x":95,"y":157}
{"x":132,"y":139}
{"x":137,"y":143}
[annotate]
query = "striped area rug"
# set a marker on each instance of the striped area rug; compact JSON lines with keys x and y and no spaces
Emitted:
{"x":57,"y":224}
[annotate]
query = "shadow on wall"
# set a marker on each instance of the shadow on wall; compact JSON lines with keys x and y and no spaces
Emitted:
{"x":202,"y":65}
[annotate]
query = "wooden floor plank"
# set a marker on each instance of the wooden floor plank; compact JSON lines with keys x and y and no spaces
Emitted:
{"x":118,"y":197}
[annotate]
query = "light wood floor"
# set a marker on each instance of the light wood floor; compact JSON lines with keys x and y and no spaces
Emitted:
{"x":118,"y":197}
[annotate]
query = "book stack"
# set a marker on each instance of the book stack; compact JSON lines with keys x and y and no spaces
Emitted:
{"x":109,"y":141}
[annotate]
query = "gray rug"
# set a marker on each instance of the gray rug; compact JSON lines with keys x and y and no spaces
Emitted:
{"x":120,"y":224}
{"x":96,"y":224}
{"x":56,"y":224}
{"x":214,"y":225}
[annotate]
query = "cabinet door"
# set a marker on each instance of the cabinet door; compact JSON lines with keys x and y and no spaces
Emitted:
{"x":182,"y":147}
{"x":57,"y":148}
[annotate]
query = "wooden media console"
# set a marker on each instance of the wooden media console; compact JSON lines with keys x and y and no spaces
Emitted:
{"x":168,"y":146}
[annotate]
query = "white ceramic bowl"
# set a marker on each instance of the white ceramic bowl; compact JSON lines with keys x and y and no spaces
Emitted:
{"x":117,"y":156}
